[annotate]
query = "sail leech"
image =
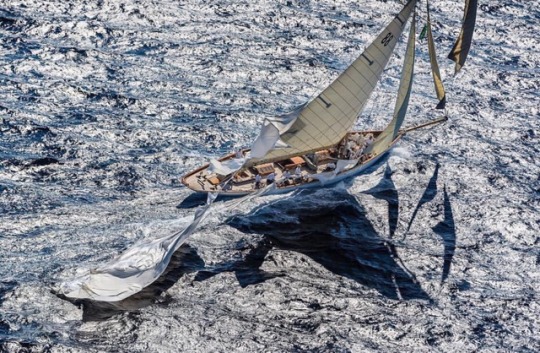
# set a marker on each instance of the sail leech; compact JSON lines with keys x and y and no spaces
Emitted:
{"x":323,"y":124}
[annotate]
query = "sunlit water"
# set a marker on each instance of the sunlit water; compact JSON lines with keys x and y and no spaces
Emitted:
{"x":103,"y":106}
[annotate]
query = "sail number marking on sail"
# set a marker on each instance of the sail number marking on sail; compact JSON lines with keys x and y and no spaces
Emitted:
{"x":386,"y":40}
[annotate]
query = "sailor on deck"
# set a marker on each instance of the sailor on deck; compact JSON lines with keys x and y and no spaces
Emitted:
{"x":239,"y":153}
{"x":369,"y":139}
{"x":286,"y":175}
{"x":270,"y":178}
{"x":349,"y":148}
{"x":298,"y":173}
{"x":257,"y":181}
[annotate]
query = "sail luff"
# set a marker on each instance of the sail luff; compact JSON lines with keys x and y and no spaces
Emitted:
{"x":384,"y":140}
{"x":439,"y":88}
{"x":326,"y":119}
{"x":463,"y":43}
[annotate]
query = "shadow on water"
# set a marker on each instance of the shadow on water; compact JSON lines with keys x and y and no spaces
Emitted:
{"x":335,"y":233}
{"x":199,"y":199}
{"x":185,"y":260}
{"x":428,"y":195}
{"x":247,"y":270}
{"x":386,"y":190}
{"x":328,"y":225}
{"x":446,"y":229}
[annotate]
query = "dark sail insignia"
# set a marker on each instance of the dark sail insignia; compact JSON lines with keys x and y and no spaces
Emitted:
{"x":463,"y":43}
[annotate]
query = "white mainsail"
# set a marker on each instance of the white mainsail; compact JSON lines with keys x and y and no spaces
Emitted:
{"x":325,"y":120}
{"x":384,"y":140}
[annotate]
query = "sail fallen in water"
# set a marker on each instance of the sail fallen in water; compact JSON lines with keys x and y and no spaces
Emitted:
{"x":314,"y":144}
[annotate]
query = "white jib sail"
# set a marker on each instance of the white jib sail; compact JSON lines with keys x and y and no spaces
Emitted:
{"x":384,"y":140}
{"x":325,"y":120}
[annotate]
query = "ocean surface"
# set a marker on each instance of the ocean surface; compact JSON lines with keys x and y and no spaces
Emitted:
{"x":105,"y":104}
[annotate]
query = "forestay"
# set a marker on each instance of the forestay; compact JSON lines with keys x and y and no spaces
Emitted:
{"x":325,"y":120}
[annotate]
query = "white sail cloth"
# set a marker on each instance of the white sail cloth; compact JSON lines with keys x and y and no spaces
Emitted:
{"x":142,"y":264}
{"x":325,"y":120}
{"x":135,"y":269}
{"x":226,"y":167}
{"x":273,"y":128}
{"x":341,"y":165}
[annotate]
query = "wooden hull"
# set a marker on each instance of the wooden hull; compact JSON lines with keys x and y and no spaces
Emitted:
{"x":200,"y":180}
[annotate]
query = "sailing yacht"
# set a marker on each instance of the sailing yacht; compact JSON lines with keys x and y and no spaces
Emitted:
{"x":314,"y":145}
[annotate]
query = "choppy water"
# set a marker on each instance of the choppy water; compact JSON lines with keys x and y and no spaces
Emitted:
{"x":103,"y":105}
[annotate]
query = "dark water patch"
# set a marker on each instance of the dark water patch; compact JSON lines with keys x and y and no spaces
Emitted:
{"x":336,"y":234}
{"x":40,"y":133}
{"x":27,"y":129}
{"x":74,"y":54}
{"x":78,"y":51}
{"x":80,"y":117}
{"x":5,"y":288}
{"x":127,"y":179}
{"x":145,"y":49}
{"x":40,"y":162}
{"x":30,"y":96}
{"x":12,"y":22}
{"x":6,"y":22}
{"x":23,"y":346}
{"x":493,"y":9}
{"x":4,"y":328}
{"x":387,"y":191}
{"x":112,"y":98}
{"x":246,"y":269}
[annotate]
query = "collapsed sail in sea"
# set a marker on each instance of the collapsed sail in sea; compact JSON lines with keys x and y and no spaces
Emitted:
{"x":385,"y":139}
{"x":463,"y":43}
{"x":325,"y":120}
{"x":439,"y":88}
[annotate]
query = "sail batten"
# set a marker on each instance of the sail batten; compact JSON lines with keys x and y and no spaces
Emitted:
{"x":326,"y":119}
{"x":461,"y":48}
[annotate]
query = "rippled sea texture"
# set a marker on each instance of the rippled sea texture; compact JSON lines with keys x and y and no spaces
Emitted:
{"x":105,"y":104}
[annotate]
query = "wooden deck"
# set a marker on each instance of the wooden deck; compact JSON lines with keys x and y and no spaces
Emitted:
{"x":243,"y":181}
